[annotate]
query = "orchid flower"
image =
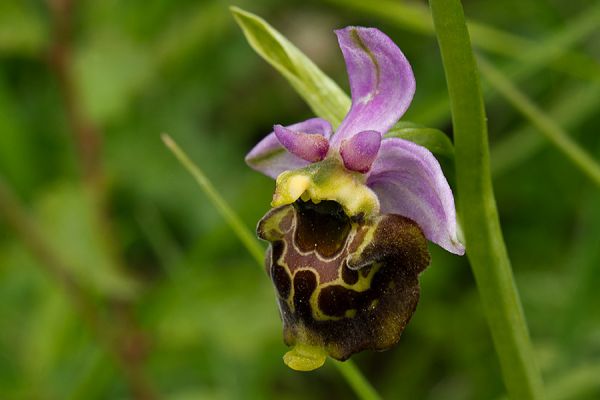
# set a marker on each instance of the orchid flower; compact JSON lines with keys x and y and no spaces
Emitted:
{"x":352,"y":212}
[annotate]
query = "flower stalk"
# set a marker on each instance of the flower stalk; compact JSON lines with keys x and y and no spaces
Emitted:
{"x":476,"y":204}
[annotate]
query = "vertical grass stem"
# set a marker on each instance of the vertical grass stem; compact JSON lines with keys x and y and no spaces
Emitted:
{"x":477,"y":206}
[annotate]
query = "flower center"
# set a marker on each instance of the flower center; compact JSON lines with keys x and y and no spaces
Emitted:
{"x":327,"y":180}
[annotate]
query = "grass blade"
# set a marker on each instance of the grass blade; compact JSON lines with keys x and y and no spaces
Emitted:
{"x":243,"y":233}
{"x":570,"y":109}
{"x":553,"y":132}
{"x":319,"y":91}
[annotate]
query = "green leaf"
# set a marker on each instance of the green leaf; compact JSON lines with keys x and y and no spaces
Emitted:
{"x":319,"y":91}
{"x":434,"y":140}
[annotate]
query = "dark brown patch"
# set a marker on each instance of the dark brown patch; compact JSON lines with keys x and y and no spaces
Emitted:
{"x":282,"y":280}
{"x":305,"y":283}
{"x":321,"y":227}
{"x":396,"y":239}
{"x":365,"y":271}
{"x":335,"y":300}
{"x":277,"y":251}
{"x":349,"y":276}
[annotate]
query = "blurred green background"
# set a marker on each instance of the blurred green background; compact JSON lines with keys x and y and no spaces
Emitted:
{"x":162,"y":300}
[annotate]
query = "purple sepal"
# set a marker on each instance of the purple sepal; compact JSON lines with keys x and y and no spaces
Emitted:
{"x":359,"y":152}
{"x":408,"y":180}
{"x":381,"y":82}
{"x":308,"y":146}
{"x":271,"y":158}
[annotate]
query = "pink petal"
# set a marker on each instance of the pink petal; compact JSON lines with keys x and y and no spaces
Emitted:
{"x":309,"y":147}
{"x":359,"y":152}
{"x":408,"y":181}
{"x":381,"y":81}
{"x":271,"y":158}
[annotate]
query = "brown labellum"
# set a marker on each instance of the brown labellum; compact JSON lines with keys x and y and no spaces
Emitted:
{"x":344,"y":284}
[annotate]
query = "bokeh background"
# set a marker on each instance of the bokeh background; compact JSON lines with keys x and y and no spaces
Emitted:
{"x":118,"y":277}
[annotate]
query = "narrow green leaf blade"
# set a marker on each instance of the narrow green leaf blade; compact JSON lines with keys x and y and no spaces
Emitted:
{"x":432,"y":139}
{"x":319,"y":91}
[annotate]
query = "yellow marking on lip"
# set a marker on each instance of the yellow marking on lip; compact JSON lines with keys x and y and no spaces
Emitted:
{"x":363,"y":284}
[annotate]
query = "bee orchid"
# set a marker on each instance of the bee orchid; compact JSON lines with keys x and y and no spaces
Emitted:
{"x":351,"y":213}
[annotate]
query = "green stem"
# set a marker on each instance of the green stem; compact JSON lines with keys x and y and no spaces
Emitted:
{"x":356,"y":379}
{"x":348,"y":369}
{"x":553,"y":132}
{"x":477,"y":206}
